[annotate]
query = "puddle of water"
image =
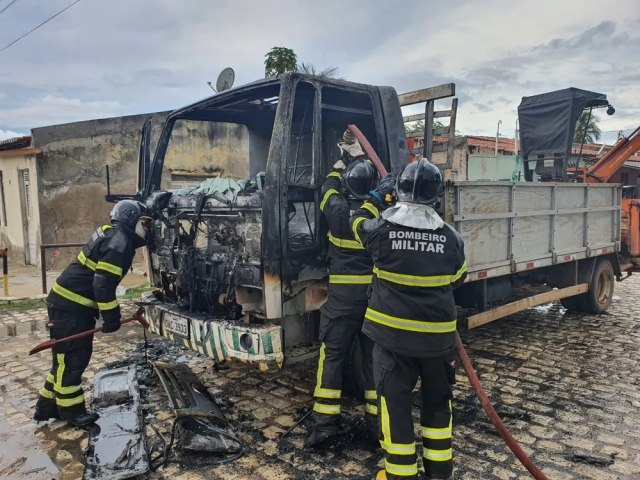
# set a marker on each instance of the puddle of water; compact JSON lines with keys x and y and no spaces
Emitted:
{"x":13,"y":328}
{"x":20,"y":456}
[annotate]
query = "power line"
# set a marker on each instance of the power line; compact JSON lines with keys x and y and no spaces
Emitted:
{"x":7,"y":6}
{"x":35,"y":28}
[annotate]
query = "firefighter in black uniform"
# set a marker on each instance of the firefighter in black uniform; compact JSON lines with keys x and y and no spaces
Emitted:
{"x":86,"y":288}
{"x":346,"y":185}
{"x":418,"y":262}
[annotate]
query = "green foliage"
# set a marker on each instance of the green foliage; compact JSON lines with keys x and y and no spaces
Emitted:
{"x":280,"y":60}
{"x":309,"y":69}
{"x":134,"y":293}
{"x":417,"y":127}
{"x":22,"y":305}
{"x":587,"y":128}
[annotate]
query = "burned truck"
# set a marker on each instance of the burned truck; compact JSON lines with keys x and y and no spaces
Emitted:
{"x":238,"y":253}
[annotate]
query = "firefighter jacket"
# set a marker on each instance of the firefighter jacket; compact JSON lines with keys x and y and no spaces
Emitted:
{"x":350,"y":265}
{"x":411,"y":306}
{"x":90,"y":281}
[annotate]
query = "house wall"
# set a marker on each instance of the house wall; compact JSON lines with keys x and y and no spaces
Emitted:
{"x":20,"y":227}
{"x":495,"y":168}
{"x":71,"y":166}
{"x":631,"y":176}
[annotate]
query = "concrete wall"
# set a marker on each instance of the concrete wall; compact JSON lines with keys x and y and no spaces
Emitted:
{"x":495,"y":168}
{"x":71,"y":166}
{"x":21,"y":225}
{"x":71,"y":180}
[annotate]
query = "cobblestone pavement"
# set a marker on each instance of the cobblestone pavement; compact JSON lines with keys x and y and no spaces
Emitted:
{"x":566,"y":385}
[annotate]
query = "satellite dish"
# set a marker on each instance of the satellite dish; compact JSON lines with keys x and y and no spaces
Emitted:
{"x":225,"y":79}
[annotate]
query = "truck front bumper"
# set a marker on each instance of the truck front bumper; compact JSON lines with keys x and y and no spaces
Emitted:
{"x":217,"y":338}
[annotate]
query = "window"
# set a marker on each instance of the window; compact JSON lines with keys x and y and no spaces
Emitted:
{"x":4,"y":208}
{"x":624,"y":178}
{"x":301,"y":207}
{"x":27,"y":192}
{"x":339,"y":109}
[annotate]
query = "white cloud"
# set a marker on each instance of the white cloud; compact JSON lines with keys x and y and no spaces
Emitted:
{"x":51,"y":110}
{"x":7,"y":134}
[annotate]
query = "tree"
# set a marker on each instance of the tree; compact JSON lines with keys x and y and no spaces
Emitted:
{"x":587,"y":129}
{"x":280,"y":60}
{"x":309,"y":69}
{"x":416,"y":127}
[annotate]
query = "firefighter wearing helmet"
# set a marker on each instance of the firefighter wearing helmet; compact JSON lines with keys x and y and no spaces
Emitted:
{"x":418,"y":262}
{"x":350,"y":271}
{"x":85,"y":290}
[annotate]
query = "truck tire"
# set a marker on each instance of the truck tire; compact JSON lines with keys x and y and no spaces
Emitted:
{"x":600,"y":294}
{"x":601,"y":286}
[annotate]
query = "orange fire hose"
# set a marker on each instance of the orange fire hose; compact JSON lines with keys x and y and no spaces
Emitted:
{"x":462,"y":353}
{"x":493,"y":415}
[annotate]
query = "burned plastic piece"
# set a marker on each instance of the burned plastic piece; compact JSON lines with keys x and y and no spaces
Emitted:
{"x":200,"y":426}
{"x":116,"y":442}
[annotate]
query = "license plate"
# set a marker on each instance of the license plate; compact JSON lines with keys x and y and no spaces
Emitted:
{"x":177,"y":325}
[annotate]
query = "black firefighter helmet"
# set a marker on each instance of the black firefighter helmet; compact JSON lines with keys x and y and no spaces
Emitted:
{"x":420,"y":182}
{"x":133,"y":215}
{"x":359,"y":179}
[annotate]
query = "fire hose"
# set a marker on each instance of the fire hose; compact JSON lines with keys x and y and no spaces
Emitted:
{"x":462,"y":353}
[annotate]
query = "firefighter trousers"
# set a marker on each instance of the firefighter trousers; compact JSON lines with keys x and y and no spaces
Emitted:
{"x":62,"y":395}
{"x":396,"y":376}
{"x":337,"y":334}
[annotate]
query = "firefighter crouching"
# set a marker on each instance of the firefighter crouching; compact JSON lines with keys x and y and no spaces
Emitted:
{"x":418,"y":262}
{"x":350,"y":271}
{"x":84,"y":290}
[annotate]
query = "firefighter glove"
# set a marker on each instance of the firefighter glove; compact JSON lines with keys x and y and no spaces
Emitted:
{"x":339,"y":166}
{"x":384,"y":194}
{"x":111,"y":326}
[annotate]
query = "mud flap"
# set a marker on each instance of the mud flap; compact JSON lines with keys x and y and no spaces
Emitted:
{"x":200,"y":425}
{"x":116,"y":442}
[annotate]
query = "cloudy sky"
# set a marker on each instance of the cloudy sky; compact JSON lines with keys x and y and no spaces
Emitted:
{"x":119,"y":57}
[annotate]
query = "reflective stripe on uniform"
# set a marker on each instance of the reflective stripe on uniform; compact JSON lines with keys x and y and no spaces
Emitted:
{"x":50,"y":378}
{"x":370,"y":395}
{"x":109,"y":267}
{"x":59,"y":371}
{"x":333,"y":174}
{"x":345,"y":242}
{"x":420,"y":280}
{"x":47,"y":393}
{"x":87,"y":262}
{"x":370,"y":207}
{"x":325,"y":198}
{"x":354,"y":227}
{"x":351,"y":279}
{"x":437,"y":433}
{"x":320,"y":367}
{"x":370,"y":409}
{"x":326,"y":409}
{"x":108,"y":305}
{"x":386,"y":443}
{"x":67,"y":390}
{"x":401,"y":470}
{"x":408,"y":324}
{"x":437,"y":455}
{"x":74,"y":297}
{"x":70,"y":402}
{"x":327,"y":393}
{"x":399,"y":448}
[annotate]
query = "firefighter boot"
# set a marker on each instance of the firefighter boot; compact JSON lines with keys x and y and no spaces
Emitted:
{"x":322,"y":430}
{"x":83,"y":420}
{"x":46,"y":409}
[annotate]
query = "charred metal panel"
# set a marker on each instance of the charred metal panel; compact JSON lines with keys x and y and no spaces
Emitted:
{"x":116,"y":442}
{"x":216,"y":337}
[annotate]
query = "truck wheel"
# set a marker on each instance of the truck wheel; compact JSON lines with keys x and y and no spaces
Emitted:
{"x":601,"y":286}
{"x":600,"y":293}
